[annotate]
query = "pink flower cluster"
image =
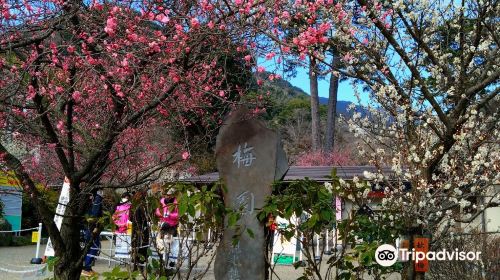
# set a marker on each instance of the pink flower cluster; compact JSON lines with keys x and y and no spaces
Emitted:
{"x":111,"y":25}
{"x":312,"y":36}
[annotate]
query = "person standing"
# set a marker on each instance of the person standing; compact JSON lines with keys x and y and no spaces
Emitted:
{"x":123,"y":231}
{"x":91,"y":233}
{"x":168,"y":214}
{"x":121,"y":217}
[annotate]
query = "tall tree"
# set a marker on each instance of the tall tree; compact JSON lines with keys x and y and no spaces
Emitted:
{"x":332,"y":105}
{"x":315,"y":117}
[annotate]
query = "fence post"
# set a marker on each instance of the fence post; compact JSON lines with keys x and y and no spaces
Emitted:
{"x":39,"y":240}
{"x":37,"y":259}
{"x":317,"y":247}
{"x":327,"y":246}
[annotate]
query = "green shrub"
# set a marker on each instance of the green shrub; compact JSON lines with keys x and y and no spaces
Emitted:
{"x":5,"y":238}
{"x":20,"y":241}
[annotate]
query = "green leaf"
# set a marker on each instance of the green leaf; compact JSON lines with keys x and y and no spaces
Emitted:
{"x":155,"y":263}
{"x":232,"y":219}
{"x":288,"y":234}
{"x":289,"y":211}
{"x":191,"y":210}
{"x":326,"y":215}
{"x":312,"y":220}
{"x":261,"y":216}
{"x":366,"y":258}
{"x":345,"y":275}
{"x":182,"y":207}
{"x":250,"y":233}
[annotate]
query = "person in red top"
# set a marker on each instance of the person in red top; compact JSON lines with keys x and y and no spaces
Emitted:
{"x":121,"y":217}
{"x":168,"y":214}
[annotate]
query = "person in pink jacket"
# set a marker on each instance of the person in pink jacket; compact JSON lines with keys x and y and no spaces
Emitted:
{"x":168,"y":214}
{"x":121,"y":217}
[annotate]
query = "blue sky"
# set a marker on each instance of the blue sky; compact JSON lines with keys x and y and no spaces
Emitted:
{"x":345,"y":93}
{"x":301,"y":80}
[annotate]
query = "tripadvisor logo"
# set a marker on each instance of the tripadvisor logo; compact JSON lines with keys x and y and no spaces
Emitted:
{"x":387,"y":255}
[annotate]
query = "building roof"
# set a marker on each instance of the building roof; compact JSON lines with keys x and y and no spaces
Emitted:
{"x":315,"y":173}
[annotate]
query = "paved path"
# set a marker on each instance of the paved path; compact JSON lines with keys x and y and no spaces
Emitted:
{"x":18,"y":258}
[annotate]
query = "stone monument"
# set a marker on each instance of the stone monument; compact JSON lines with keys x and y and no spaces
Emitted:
{"x":249,"y":158}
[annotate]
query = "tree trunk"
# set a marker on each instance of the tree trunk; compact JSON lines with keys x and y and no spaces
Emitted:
{"x":69,"y":265}
{"x":315,"y":122}
{"x":332,"y":107}
{"x":67,"y":269}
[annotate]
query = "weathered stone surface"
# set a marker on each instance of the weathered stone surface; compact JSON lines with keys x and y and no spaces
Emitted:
{"x":249,"y":159}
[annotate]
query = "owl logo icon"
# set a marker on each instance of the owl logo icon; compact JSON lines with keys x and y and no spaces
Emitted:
{"x":386,"y":255}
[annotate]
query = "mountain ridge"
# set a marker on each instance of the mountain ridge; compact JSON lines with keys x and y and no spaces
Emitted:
{"x":291,"y":91}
